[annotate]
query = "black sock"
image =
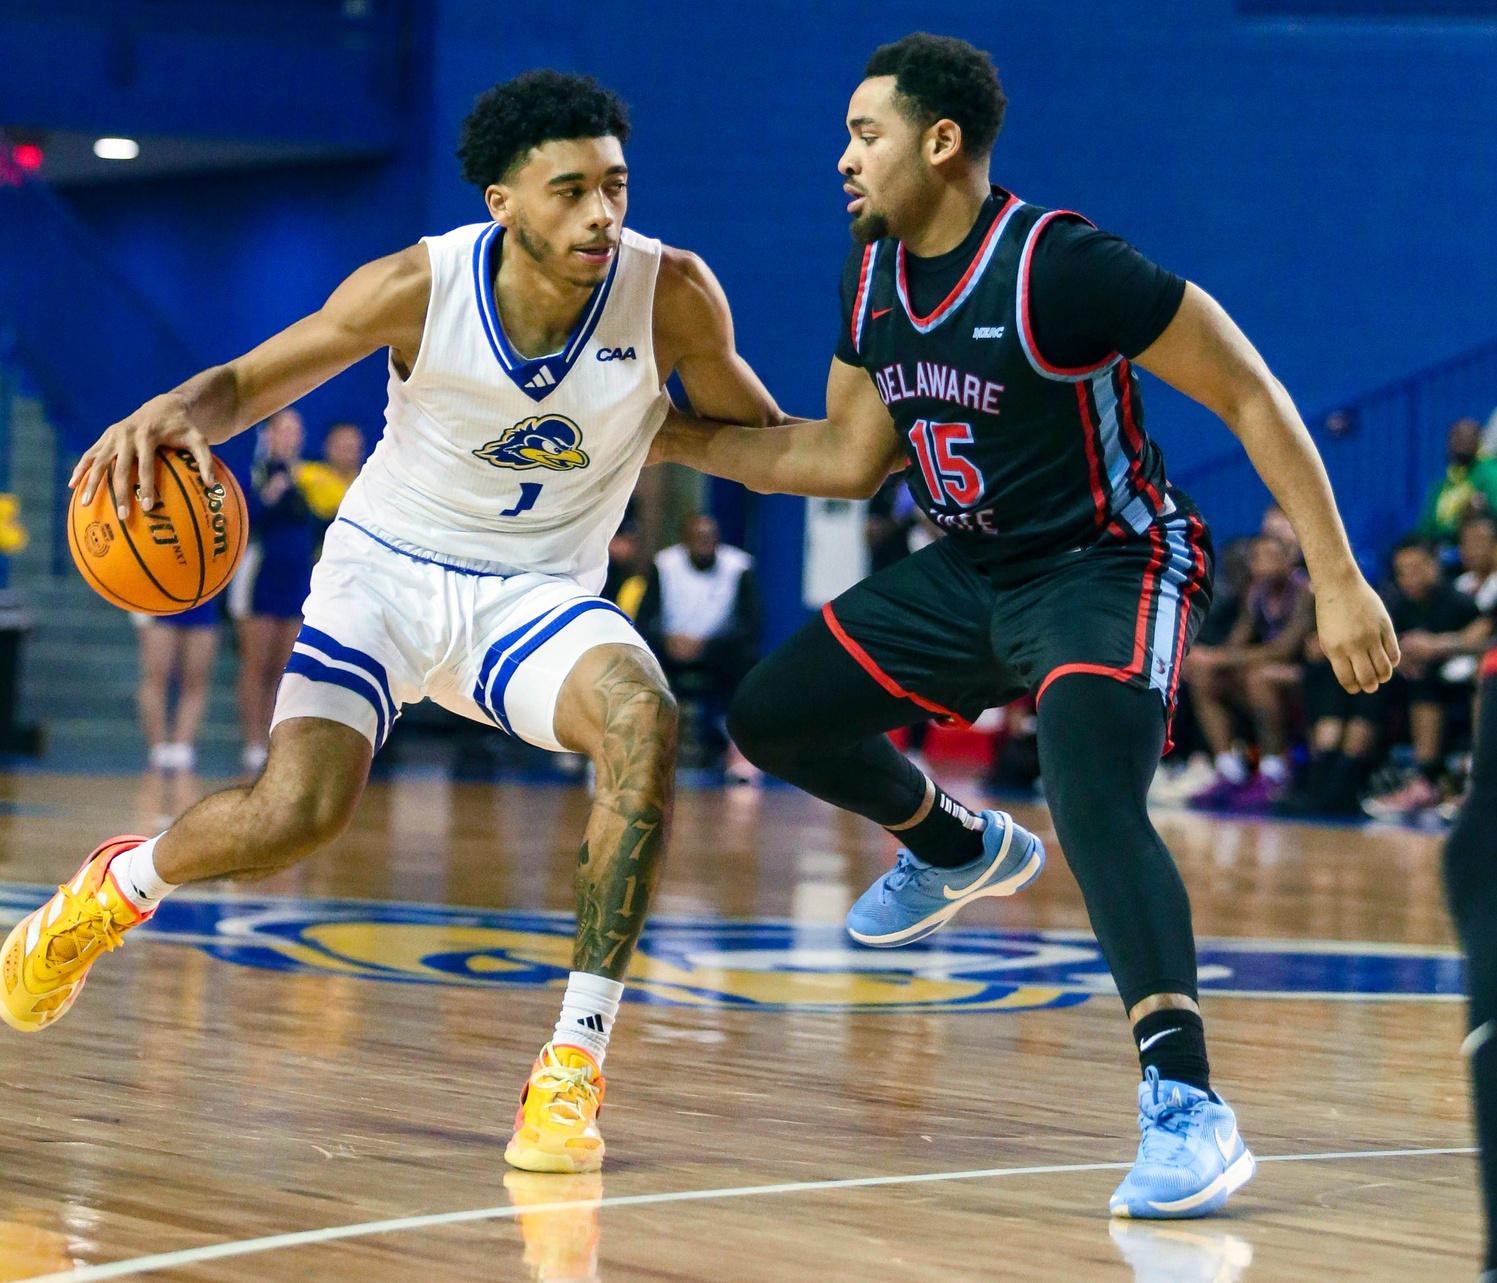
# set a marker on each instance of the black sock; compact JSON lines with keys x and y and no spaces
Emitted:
{"x":1173,"y":1041}
{"x":949,"y":834}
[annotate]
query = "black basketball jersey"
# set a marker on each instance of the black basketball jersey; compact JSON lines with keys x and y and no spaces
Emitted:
{"x":1016,"y":459}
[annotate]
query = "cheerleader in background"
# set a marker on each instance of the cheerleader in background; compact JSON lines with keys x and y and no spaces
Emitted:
{"x":267,"y":594}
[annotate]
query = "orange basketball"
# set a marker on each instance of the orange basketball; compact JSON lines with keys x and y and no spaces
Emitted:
{"x":172,"y":558}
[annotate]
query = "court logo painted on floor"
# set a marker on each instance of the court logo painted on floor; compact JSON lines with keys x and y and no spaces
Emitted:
{"x":760,"y":965}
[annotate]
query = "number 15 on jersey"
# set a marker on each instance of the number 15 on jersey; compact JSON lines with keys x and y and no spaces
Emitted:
{"x":950,"y":477}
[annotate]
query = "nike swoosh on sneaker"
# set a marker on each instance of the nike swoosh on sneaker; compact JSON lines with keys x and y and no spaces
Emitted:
{"x":1227,"y":1146}
{"x":987,"y":873}
{"x":1153,"y":1038}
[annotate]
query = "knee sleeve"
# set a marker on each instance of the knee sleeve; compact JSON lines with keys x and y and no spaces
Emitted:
{"x":811,"y":716}
{"x":1100,"y":742}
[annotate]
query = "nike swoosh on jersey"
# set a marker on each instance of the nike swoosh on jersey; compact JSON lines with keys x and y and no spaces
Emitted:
{"x":874,"y":315}
{"x":1153,"y":1038}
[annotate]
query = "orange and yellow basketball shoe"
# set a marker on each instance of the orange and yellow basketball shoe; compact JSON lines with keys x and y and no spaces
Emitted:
{"x":556,"y":1128}
{"x":48,"y":953}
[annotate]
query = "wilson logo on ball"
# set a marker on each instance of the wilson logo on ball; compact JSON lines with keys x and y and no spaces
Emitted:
{"x":97,"y":538}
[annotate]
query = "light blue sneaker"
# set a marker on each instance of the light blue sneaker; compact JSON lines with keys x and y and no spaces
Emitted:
{"x":1191,"y":1157}
{"x":914,"y":898}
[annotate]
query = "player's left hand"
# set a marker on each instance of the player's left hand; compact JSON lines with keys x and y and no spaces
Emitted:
{"x":1356,"y":633}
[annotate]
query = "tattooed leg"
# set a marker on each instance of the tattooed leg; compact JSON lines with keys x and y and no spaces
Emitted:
{"x":616,"y":707}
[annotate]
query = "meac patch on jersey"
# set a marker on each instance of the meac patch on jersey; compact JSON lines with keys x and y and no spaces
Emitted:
{"x":495,"y":460}
{"x":541,"y":441}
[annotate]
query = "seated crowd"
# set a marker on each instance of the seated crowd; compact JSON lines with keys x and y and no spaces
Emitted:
{"x":1264,"y":725}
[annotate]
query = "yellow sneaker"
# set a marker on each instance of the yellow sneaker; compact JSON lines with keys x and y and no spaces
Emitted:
{"x":556,"y":1128}
{"x":558,"y":1218}
{"x":48,"y":953}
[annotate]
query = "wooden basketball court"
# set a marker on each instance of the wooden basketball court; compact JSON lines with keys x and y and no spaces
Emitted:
{"x":314,"y":1077}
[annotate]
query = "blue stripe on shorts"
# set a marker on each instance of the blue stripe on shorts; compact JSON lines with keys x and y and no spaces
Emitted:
{"x":509,"y":663}
{"x":334,"y":649}
{"x":359,"y":683}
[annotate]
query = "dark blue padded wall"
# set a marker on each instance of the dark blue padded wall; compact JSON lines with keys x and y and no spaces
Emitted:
{"x":1327,"y":181}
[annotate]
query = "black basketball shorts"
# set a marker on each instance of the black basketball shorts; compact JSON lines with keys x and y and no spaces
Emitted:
{"x":938,"y":631}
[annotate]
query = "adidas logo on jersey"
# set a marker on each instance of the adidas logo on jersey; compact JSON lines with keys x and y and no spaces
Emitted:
{"x":543,"y":379}
{"x":988,"y":332}
{"x":616,"y":354}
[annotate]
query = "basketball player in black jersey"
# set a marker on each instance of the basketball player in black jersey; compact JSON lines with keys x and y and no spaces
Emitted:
{"x":988,"y":347}
{"x":1471,"y":887}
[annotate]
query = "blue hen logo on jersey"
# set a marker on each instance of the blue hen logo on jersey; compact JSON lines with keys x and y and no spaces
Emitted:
{"x":543,"y":441}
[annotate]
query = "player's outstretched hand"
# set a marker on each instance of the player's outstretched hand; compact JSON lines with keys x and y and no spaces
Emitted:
{"x":1356,"y":633}
{"x":163,"y":420}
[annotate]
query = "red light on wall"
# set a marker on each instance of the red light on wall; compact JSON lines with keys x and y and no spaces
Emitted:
{"x":28,"y":156}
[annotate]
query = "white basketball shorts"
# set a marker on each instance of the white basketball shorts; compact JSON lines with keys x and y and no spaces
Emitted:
{"x":385,"y":625}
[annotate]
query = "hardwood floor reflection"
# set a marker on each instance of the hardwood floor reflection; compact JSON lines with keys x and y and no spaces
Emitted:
{"x":188,"y":1100}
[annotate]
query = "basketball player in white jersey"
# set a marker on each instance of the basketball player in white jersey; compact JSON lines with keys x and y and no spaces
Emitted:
{"x":527,"y":357}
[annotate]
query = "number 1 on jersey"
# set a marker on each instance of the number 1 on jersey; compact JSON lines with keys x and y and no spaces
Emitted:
{"x":950,"y":477}
{"x":530,"y":491}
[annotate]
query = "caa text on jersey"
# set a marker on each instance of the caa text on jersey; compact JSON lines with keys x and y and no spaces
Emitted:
{"x":940,"y":382}
{"x":616,"y":354}
{"x":549,"y":441}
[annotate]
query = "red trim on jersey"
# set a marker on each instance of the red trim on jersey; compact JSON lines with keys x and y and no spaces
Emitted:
{"x":1489,"y":664}
{"x":1135,"y":436}
{"x":864,"y":283}
{"x":956,"y":290}
{"x":868,"y":665}
{"x":1140,"y":628}
{"x":1093,"y":458}
{"x":1028,"y":330}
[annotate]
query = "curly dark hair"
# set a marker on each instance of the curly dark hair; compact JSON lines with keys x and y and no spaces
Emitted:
{"x":943,"y":78}
{"x":535,"y":107}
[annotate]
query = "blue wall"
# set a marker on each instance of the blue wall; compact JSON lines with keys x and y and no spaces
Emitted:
{"x":1324,"y":180}
{"x":230,"y":259}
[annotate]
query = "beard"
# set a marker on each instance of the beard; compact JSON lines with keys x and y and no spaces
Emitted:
{"x":869,"y":227}
{"x":532,"y":244}
{"x":542,"y":252}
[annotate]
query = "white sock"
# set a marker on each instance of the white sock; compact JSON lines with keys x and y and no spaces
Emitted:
{"x":135,"y":875}
{"x":1231,"y":768}
{"x":1275,"y":769}
{"x":587,"y":1011}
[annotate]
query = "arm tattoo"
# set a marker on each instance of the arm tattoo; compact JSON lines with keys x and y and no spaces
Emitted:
{"x":620,"y":858}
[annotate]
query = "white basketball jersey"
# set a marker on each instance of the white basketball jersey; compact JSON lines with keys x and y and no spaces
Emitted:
{"x":496,"y":461}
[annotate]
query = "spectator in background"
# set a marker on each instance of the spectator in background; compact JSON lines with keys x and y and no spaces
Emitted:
{"x":1435,"y":623}
{"x":700,"y":614}
{"x":1344,"y":729}
{"x":1477,"y":544}
{"x":626,"y":582}
{"x":181,"y":649}
{"x":1252,"y":673}
{"x":1275,"y":523}
{"x":325,"y":482}
{"x":268,"y":592}
{"x":1469,"y":482}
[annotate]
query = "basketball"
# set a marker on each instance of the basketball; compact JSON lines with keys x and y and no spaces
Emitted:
{"x":172,"y":558}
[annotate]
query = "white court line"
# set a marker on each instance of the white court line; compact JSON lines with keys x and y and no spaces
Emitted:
{"x":305,"y":1238}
